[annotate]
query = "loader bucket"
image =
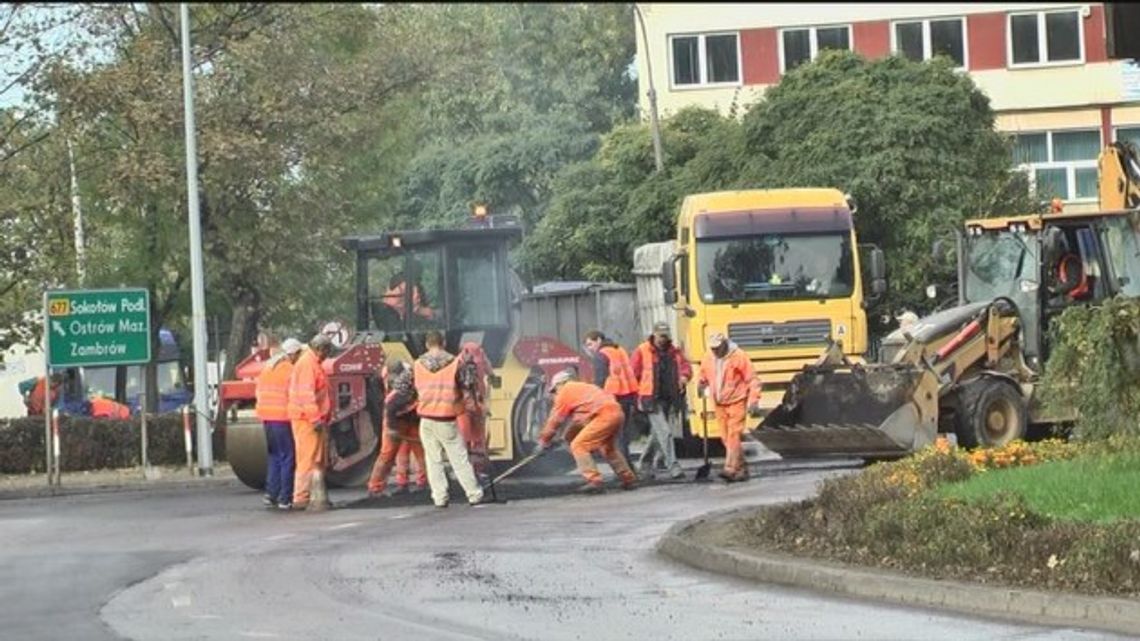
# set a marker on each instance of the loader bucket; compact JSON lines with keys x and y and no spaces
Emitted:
{"x":867,"y":411}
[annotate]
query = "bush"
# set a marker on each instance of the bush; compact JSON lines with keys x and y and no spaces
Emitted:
{"x":92,"y":444}
{"x":1103,"y":344}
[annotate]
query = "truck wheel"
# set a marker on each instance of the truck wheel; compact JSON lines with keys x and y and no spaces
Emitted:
{"x":993,"y":414}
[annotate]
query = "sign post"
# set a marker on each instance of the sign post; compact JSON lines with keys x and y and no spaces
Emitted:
{"x":96,"y":327}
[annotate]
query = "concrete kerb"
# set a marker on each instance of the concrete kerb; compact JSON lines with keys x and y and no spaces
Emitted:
{"x":43,"y":491}
{"x":682,"y":543}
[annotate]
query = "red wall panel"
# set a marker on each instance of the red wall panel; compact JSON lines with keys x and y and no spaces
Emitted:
{"x":872,"y":39}
{"x":1095,"y":45}
{"x":759,"y":56}
{"x":986,"y":35}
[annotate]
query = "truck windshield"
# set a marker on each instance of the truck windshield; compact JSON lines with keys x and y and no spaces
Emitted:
{"x":100,"y":381}
{"x":775,"y":267}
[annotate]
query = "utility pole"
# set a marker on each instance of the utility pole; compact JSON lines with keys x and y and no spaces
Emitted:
{"x":197,"y":286}
{"x":654,"y":127}
{"x":77,"y":212}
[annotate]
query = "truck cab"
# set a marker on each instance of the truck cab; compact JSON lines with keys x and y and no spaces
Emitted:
{"x":778,"y":272}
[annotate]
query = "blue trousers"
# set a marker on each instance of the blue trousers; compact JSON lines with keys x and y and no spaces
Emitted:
{"x":279,"y":476}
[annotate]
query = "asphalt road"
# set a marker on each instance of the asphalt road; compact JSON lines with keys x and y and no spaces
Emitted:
{"x":211,"y":564}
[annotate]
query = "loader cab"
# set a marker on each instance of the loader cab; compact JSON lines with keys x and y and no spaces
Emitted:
{"x":456,"y":281}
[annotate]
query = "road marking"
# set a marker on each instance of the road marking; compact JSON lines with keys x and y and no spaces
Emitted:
{"x":181,"y":601}
{"x":343,"y":526}
{"x":399,"y":516}
{"x":171,"y":586}
{"x":280,"y":537}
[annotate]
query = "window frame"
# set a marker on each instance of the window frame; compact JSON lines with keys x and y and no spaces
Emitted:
{"x":1042,"y":42}
{"x":1070,"y":166}
{"x":1116,"y":131}
{"x":927,"y":43}
{"x":702,"y":61}
{"x":813,"y":40}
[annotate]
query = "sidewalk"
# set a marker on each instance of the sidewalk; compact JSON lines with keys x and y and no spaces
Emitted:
{"x":25,"y":486}
{"x":700,"y":543}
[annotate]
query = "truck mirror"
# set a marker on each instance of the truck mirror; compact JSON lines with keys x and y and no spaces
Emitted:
{"x":670,"y":297}
{"x":668,"y":280}
{"x":938,"y":250}
{"x":877,"y":265}
{"x":878,"y":287}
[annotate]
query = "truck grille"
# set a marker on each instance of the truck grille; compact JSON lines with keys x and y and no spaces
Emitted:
{"x":803,"y":333}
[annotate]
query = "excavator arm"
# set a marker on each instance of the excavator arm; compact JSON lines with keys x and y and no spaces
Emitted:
{"x":1119,"y":172}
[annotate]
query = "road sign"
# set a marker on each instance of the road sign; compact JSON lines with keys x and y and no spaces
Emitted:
{"x":97,"y":327}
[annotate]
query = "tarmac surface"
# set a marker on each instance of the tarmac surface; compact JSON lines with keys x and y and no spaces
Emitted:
{"x":208,"y":562}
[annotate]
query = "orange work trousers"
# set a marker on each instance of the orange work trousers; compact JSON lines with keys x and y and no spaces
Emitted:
{"x":410,"y":450}
{"x":472,"y":426}
{"x":731,"y":420}
{"x":312,"y":456}
{"x":409,"y":431}
{"x":601,"y":434}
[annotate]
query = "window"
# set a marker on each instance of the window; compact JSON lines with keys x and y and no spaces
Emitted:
{"x":1129,"y":134}
{"x":1060,"y":163}
{"x":803,"y":45}
{"x":707,"y":59}
{"x":1052,"y":37}
{"x":480,"y":291}
{"x":925,"y":39}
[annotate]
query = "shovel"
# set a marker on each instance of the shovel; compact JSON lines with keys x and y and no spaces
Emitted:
{"x":703,"y":471}
{"x":512,"y":469}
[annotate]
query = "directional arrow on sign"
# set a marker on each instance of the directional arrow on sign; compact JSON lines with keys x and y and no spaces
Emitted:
{"x":57,"y":327}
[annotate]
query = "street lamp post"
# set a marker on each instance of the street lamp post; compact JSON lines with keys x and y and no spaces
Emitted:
{"x":654,"y":127}
{"x":197,"y":288}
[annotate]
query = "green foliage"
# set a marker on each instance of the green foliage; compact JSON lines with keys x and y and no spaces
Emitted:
{"x":1102,"y":344}
{"x":912,"y":142}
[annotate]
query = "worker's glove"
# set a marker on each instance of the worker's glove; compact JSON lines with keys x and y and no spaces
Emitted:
{"x":754,"y":410}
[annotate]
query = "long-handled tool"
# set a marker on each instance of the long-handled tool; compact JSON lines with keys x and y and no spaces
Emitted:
{"x":703,"y":471}
{"x":530,"y":458}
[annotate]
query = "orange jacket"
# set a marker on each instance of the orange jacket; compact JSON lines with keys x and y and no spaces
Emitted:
{"x":35,"y":400}
{"x":737,"y":382}
{"x":309,"y":390}
{"x":273,"y":390}
{"x":621,"y":381}
{"x":643,"y":361}
{"x":438,"y":393}
{"x":107,"y":408}
{"x":579,"y":402}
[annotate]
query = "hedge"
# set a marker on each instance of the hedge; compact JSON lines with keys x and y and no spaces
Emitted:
{"x":94,"y":444}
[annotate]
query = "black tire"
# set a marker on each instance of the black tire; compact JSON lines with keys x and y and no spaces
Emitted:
{"x":992,"y":413}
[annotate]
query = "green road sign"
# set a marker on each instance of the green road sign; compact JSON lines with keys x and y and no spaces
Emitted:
{"x":97,"y":327}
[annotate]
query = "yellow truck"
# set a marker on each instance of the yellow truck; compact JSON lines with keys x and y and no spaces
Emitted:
{"x":778,"y":271}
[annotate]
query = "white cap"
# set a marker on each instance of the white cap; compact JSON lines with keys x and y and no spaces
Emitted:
{"x":560,"y":378}
{"x":716,"y":339}
{"x":291,"y":346}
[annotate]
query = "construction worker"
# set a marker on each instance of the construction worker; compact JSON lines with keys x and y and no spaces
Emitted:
{"x":309,"y":410}
{"x":439,"y":380}
{"x":34,"y":398}
{"x":103,"y":407}
{"x":612,"y":372}
{"x":401,"y":427}
{"x":728,"y":380}
{"x":397,"y":289}
{"x":662,"y":372}
{"x":410,"y":450}
{"x":472,"y":422}
{"x":273,"y":410}
{"x":594,"y":418}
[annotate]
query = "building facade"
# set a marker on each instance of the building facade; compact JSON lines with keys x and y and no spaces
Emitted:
{"x":1043,"y":65}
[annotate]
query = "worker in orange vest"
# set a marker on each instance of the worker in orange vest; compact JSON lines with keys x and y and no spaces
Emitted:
{"x":727,"y":378}
{"x":34,"y":401}
{"x":401,"y":427}
{"x":614,"y":374}
{"x":398,"y":288}
{"x":309,"y":410}
{"x":273,"y":410}
{"x":472,"y":422}
{"x":662,"y":372}
{"x":440,"y":380}
{"x":594,"y":419}
{"x":103,"y":407}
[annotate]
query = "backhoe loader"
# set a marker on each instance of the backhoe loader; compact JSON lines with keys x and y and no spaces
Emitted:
{"x":972,"y":370}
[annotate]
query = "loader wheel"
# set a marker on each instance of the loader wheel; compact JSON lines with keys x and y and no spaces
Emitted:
{"x":993,"y":414}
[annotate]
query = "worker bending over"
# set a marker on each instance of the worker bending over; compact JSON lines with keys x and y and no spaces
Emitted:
{"x":594,"y":418}
{"x":728,"y":379}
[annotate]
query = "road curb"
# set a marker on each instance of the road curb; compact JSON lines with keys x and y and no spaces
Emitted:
{"x":44,"y":491}
{"x":682,"y":543}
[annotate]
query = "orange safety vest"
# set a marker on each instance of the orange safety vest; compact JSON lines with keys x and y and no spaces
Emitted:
{"x":35,"y":399}
{"x":738,"y":382}
{"x":106,"y":408}
{"x":273,"y":390}
{"x":648,"y":360}
{"x":308,"y":389}
{"x":579,"y":402}
{"x":620,"y":381}
{"x":438,"y":394}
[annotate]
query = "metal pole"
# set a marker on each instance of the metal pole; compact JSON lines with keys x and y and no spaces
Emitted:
{"x":47,"y":394}
{"x":77,"y":212}
{"x":197,"y":287}
{"x":55,"y":449}
{"x":654,"y":127}
{"x":142,"y":433}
